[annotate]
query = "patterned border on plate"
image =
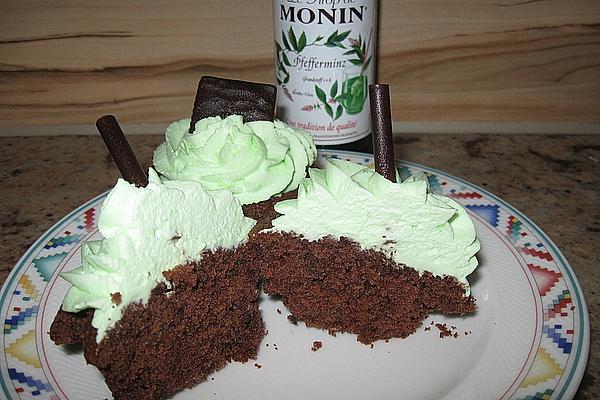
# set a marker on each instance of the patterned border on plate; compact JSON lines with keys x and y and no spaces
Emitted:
{"x":556,"y":370}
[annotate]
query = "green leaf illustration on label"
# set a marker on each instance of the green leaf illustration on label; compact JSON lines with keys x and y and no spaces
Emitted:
{"x":327,"y":104}
{"x":302,"y":42}
{"x":293,"y":40}
{"x":321,"y":94}
{"x":338,"y":112}
{"x":333,"y":90}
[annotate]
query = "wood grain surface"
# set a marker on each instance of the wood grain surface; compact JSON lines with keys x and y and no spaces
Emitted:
{"x":67,"y":62}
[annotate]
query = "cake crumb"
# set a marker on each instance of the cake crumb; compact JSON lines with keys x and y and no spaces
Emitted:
{"x":292,"y":319}
{"x":444,"y":331}
{"x":115,"y":298}
{"x":257,"y":365}
{"x":427,"y":328}
{"x":317,"y":344}
{"x":278,"y":311}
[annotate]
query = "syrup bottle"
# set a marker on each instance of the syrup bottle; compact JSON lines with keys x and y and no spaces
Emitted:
{"x":325,"y":52}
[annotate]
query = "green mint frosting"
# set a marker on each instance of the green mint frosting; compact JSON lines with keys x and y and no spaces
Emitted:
{"x":147,"y":231}
{"x":422,"y":230}
{"x":254,"y":160}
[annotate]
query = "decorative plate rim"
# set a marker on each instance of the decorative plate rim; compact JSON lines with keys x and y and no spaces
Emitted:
{"x":577,"y":366}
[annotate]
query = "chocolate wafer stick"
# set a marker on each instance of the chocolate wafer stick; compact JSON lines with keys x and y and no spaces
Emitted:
{"x":381,"y":127}
{"x":119,"y":149}
{"x":224,"y":97}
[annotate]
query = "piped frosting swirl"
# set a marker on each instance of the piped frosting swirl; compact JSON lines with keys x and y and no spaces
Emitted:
{"x":254,"y":160}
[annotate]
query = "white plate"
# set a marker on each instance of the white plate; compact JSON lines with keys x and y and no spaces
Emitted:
{"x":529,"y":338}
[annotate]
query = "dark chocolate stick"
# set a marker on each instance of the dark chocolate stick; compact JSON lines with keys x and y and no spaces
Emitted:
{"x":224,"y":97}
{"x":381,"y":127}
{"x":119,"y":149}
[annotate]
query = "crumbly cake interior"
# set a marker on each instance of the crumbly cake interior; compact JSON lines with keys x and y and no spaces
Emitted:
{"x":334,"y":285}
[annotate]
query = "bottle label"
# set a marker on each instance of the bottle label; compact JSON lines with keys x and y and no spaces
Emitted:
{"x":325,"y":61}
